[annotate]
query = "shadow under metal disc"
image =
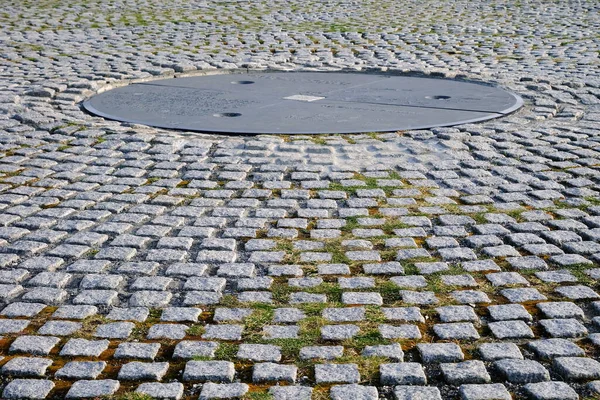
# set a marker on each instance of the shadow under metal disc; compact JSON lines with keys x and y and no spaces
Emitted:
{"x":303,"y":103}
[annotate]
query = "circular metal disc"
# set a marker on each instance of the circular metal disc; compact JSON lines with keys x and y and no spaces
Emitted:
{"x":303,"y":103}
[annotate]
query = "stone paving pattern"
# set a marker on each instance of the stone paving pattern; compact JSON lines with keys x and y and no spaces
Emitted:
{"x":436,"y":264}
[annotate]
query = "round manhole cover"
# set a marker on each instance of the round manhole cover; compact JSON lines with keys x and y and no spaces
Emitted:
{"x":303,"y":103}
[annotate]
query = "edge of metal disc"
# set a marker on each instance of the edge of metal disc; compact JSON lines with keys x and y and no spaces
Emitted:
{"x":519,"y":102}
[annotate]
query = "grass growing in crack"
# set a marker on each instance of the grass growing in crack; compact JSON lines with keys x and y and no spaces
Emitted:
{"x":368,"y":367}
{"x":351,"y":223}
{"x":369,"y":183}
{"x":370,"y":337}
{"x":291,"y":254}
{"x":310,"y":328}
{"x":226,"y":351}
{"x":89,"y":325}
{"x":332,"y":290}
{"x":393,"y":223}
{"x":254,"y":323}
{"x":140,"y":330}
{"x":390,"y":293}
{"x":281,"y":292}
{"x":578,"y":271}
{"x":229,"y":300}
{"x":334,"y":247}
{"x":195,"y":330}
{"x":313,"y":309}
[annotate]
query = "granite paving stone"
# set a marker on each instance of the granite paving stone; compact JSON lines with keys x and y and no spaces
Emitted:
{"x":391,"y":351}
{"x":136,"y":371}
{"x":522,"y":371}
{"x":440,"y":352}
{"x":337,"y":373}
{"x":81,"y":370}
{"x":258,"y":352}
{"x":272,"y":372}
{"x":408,"y":373}
{"x":26,"y":366}
{"x":27,"y":389}
{"x":290,"y":392}
{"x":498,"y":351}
{"x":550,"y":390}
{"x":568,"y":327}
{"x":561,"y":309}
{"x":213,"y":371}
{"x":36,"y":345}
{"x":551,"y":348}
{"x":145,"y":351}
{"x":88,"y":388}
{"x":490,"y":391}
{"x":510,"y":330}
{"x":472,"y":371}
{"x":223,"y":390}
{"x":577,"y":368}
{"x":456,"y":330}
{"x":406,"y":392}
{"x":169,"y":391}
{"x":353,"y":391}
{"x":84,"y":347}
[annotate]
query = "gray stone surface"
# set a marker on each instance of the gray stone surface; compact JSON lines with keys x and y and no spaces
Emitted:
{"x":136,"y":371}
{"x":510,"y":330}
{"x":223,"y":390}
{"x":408,"y":373}
{"x":272,"y":372}
{"x":146,"y":351}
{"x":215,"y":371}
{"x":84,"y":347}
{"x":321,"y":352}
{"x":498,"y":351}
{"x":440,"y":352}
{"x":336,"y":373}
{"x":403,"y":392}
{"x":190,"y":349}
{"x":457,"y":330}
{"x":577,"y":368}
{"x":169,"y":391}
{"x":259,"y":352}
{"x":490,"y":391}
{"x":567,"y":327}
{"x":81,"y":370}
{"x":86,"y":389}
{"x":522,"y":371}
{"x":357,"y":392}
{"x":290,"y":392}
{"x":551,"y":348}
{"x":27,"y":389}
{"x":550,"y":391}
{"x":561,"y":309}
{"x":472,"y":371}
{"x":391,"y":351}
{"x":509,"y":312}
{"x":36,"y":345}
{"x":26,"y":366}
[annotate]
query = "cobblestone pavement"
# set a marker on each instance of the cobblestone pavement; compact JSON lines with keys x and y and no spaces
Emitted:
{"x":435,"y":264}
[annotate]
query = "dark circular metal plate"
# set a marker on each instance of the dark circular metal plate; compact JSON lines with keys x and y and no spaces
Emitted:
{"x":303,"y":103}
